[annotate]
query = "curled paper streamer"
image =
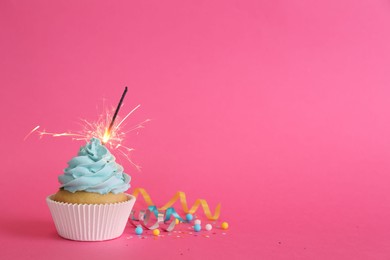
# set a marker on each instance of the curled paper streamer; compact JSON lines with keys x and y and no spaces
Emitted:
{"x":181,"y":196}
{"x":152,"y":218}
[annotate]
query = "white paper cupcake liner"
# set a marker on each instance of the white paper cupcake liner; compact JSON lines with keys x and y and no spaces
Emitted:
{"x":90,"y":222}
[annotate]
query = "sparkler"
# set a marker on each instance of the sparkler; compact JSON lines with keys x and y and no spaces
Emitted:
{"x":105,"y":128}
{"x":107,"y":133}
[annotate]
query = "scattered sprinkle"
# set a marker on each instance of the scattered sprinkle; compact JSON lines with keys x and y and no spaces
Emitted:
{"x":224,"y":225}
{"x":189,"y":217}
{"x":156,"y":232}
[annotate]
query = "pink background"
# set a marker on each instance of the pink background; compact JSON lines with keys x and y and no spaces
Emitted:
{"x":277,"y":109}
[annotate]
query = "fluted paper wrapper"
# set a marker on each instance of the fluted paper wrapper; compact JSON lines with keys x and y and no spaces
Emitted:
{"x":90,"y":222}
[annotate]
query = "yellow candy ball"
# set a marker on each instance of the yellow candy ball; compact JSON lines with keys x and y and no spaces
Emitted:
{"x":176,"y":221}
{"x":224,"y":225}
{"x":156,"y":232}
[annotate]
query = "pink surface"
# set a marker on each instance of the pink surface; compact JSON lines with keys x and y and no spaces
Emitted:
{"x":277,"y":109}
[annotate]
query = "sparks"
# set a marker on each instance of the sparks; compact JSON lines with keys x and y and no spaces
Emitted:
{"x":99,"y":129}
{"x":32,"y":131}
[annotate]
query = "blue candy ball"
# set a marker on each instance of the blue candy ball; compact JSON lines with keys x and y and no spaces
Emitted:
{"x":189,"y":217}
{"x":197,"y":227}
{"x":139,"y":230}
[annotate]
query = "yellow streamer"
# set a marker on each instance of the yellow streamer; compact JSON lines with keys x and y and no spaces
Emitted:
{"x":182,"y":197}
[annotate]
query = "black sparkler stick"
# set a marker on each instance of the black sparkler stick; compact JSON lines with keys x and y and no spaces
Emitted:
{"x":116,"y":112}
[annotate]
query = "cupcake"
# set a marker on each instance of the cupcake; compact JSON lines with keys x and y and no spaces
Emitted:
{"x":91,"y":204}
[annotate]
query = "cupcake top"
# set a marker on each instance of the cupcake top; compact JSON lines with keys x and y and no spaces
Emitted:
{"x":94,"y":170}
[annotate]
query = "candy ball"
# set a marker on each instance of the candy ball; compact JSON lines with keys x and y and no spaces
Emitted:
{"x":189,"y":217}
{"x":197,"y":227}
{"x":224,"y":225}
{"x":156,"y":232}
{"x":139,"y":230}
{"x":176,"y":221}
{"x":197,"y":221}
{"x":209,"y":227}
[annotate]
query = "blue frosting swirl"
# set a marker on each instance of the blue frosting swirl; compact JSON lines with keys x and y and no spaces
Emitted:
{"x":94,"y":170}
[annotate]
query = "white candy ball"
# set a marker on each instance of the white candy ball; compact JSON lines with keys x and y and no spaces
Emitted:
{"x":209,"y":227}
{"x":197,"y":221}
